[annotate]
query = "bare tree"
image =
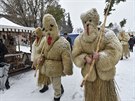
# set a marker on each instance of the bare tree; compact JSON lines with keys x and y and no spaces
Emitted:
{"x":26,"y":12}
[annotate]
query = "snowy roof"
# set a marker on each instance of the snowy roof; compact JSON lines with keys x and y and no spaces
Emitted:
{"x":6,"y":22}
{"x":7,"y":25}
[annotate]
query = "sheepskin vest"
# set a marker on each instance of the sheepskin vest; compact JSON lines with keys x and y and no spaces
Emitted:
{"x":110,"y":53}
{"x":58,"y":60}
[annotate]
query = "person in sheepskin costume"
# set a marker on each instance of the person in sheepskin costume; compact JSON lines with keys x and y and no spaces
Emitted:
{"x":99,"y":85}
{"x":43,"y":80}
{"x":56,"y":55}
{"x":124,"y":38}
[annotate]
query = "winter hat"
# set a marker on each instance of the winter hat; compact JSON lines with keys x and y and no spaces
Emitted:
{"x":49,"y":21}
{"x":91,"y":15}
{"x":51,"y":28}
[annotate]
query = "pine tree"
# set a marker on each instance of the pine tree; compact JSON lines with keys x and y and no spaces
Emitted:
{"x":69,"y":24}
{"x":63,"y":25}
{"x":57,"y":12}
{"x":123,"y":22}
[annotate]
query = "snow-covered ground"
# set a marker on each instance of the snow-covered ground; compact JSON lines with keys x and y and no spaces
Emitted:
{"x":24,"y":87}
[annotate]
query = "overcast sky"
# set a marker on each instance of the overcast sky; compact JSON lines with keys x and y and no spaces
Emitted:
{"x":123,"y":10}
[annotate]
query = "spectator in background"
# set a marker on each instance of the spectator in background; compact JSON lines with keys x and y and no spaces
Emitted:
{"x":131,"y":42}
{"x":3,"y":51}
{"x":124,"y":38}
{"x":68,"y":39}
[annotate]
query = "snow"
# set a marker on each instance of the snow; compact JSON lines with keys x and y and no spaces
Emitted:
{"x":24,"y":86}
{"x":23,"y":49}
{"x":6,"y":22}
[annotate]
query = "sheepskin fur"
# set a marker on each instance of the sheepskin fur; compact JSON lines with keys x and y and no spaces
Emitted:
{"x":110,"y":53}
{"x":99,"y":85}
{"x":57,"y":55}
{"x":124,"y":38}
{"x":90,"y":15}
{"x":36,"y":52}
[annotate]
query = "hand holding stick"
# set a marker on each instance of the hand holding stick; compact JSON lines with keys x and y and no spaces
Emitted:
{"x":98,"y":44}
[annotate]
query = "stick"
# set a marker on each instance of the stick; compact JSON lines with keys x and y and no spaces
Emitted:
{"x":98,"y":44}
{"x":38,"y":64}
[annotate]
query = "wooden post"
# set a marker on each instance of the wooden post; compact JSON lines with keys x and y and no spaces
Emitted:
{"x":18,"y":43}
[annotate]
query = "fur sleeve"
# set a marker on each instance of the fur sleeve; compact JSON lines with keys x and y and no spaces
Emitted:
{"x":67,"y":59}
{"x":67,"y":63}
{"x":110,"y":56}
{"x":78,"y":56}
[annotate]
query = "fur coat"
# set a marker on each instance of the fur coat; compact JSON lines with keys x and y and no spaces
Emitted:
{"x":124,"y":38}
{"x":57,"y":52}
{"x":36,"y":53}
{"x":109,"y":55}
{"x":57,"y":58}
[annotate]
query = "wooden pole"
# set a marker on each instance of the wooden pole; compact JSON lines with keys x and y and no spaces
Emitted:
{"x":18,"y":43}
{"x":98,"y":44}
{"x":38,"y":64}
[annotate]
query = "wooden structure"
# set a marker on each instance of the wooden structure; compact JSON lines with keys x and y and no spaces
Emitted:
{"x":11,"y":35}
{"x":18,"y":61}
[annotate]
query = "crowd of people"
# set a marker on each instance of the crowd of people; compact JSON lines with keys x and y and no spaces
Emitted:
{"x":53,"y":57}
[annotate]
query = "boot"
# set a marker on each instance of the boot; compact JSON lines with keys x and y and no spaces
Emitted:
{"x":44,"y":89}
{"x":7,"y":84}
{"x":57,"y":99}
{"x":121,"y":58}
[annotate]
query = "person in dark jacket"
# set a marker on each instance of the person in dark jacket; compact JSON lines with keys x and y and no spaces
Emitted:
{"x":131,"y":42}
{"x":68,"y":39}
{"x":3,"y":51}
